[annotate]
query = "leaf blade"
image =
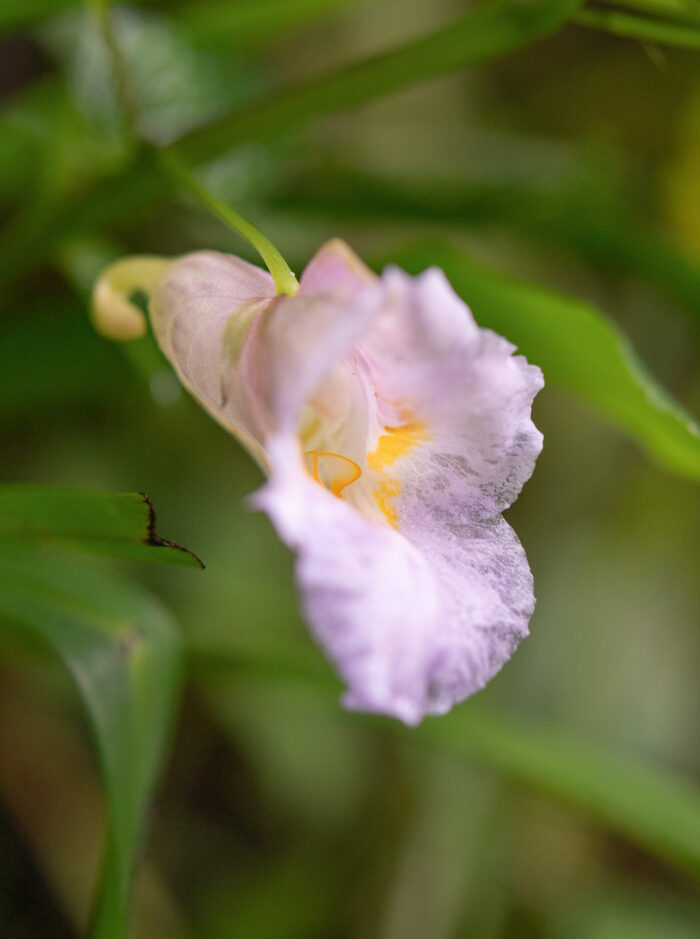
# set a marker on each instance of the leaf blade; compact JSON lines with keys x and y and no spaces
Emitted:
{"x":115,"y":524}
{"x":485,"y":32}
{"x":124,"y":654}
{"x":643,"y":28}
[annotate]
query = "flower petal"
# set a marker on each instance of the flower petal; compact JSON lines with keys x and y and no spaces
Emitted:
{"x":296,"y":343}
{"x":201,"y":311}
{"x":251,"y":358}
{"x":410,"y":415}
{"x":412,"y":626}
{"x":464,"y":401}
{"x":335,"y":268}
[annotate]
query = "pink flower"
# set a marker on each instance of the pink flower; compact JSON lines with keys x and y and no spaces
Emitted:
{"x":394,"y":432}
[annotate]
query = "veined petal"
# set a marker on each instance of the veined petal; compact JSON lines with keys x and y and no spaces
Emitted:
{"x":201,"y":310}
{"x":463,"y":443}
{"x":297,"y":342}
{"x":412,"y":626}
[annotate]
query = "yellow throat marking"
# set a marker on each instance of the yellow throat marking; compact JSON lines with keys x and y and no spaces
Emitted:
{"x":332,"y":470}
{"x":393,"y":444}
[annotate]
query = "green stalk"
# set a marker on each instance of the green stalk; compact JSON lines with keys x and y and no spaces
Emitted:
{"x":179,"y":171}
{"x":182,"y":175}
{"x":121,"y":76}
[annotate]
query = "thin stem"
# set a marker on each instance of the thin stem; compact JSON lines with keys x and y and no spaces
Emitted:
{"x":638,"y":27}
{"x":182,"y":175}
{"x":121,"y":75}
{"x":177,"y":169}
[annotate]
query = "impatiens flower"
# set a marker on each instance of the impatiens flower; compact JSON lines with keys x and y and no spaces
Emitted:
{"x":394,"y":431}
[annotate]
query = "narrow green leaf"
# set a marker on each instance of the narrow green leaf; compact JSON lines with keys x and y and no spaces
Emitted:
{"x":116,"y":524}
{"x":683,"y":11}
{"x":122,"y":650}
{"x":646,"y":29}
{"x":650,"y":806}
{"x":578,"y":348}
{"x":490,"y":30}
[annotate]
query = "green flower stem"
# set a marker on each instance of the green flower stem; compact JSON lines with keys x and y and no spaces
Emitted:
{"x":182,"y":175}
{"x":121,"y":76}
{"x":639,"y":27}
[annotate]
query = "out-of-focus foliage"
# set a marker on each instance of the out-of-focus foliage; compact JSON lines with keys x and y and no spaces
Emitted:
{"x":683,"y":186}
{"x":123,"y":652}
{"x":516,"y":151}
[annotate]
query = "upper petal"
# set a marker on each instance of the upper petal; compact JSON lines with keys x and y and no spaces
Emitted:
{"x":462,"y":440}
{"x":335,"y":268}
{"x":254,"y":359}
{"x":201,"y":310}
{"x":296,"y":343}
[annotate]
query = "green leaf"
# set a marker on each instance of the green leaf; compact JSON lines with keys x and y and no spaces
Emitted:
{"x":644,"y":28}
{"x":117,"y":524}
{"x":577,"y":347}
{"x":490,"y":30}
{"x":650,"y":806}
{"x":681,"y":11}
{"x":122,"y":650}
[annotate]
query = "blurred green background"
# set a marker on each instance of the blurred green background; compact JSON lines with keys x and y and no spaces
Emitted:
{"x":573,"y":163}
